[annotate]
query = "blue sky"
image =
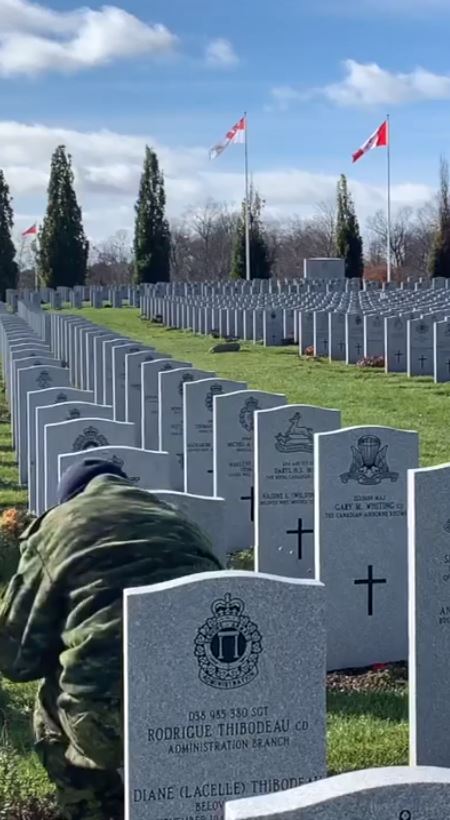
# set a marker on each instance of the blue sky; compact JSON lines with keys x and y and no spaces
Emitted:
{"x":315,"y":77}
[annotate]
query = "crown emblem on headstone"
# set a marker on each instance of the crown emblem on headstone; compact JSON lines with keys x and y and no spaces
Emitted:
{"x":44,"y":380}
{"x":214,"y":390}
{"x":246,"y":415}
{"x":186,"y":377}
{"x":228,"y":646}
{"x":90,"y":437}
{"x":398,"y":323}
{"x":421,"y":328}
{"x":74,"y":414}
{"x":60,"y":397}
{"x":296,"y":439}
{"x":369,"y":463}
{"x":358,"y":320}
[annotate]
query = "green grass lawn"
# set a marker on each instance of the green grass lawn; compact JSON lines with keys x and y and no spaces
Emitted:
{"x":364,"y":396}
{"x":366,"y":727}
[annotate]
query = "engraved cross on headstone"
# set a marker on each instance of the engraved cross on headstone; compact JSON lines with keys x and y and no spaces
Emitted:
{"x":422,"y":360}
{"x":300,"y":532}
{"x":398,"y":356}
{"x":370,"y":581}
{"x":250,"y":498}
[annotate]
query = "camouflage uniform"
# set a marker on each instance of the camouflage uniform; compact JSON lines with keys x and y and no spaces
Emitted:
{"x":61,"y":620}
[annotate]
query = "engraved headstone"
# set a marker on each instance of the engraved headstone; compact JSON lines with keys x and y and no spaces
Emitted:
{"x":361,"y":541}
{"x":79,"y":434}
{"x":150,"y":398}
{"x":146,"y":469}
{"x":284,"y":487}
{"x":219,"y":701}
{"x":43,"y":398}
{"x":233,"y":435}
{"x":36,"y":377}
{"x":198,"y":431}
{"x":133,"y":385}
{"x":170,"y":415}
{"x":55,"y":414}
{"x":429,"y":615}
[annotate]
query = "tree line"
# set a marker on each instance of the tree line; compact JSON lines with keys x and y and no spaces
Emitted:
{"x":210,"y":243}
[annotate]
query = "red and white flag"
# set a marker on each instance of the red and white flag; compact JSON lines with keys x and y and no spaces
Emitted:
{"x":236,"y":134}
{"x":32,"y":231}
{"x":379,"y":139}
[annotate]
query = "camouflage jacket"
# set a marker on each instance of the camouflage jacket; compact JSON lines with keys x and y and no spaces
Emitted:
{"x":61,"y":615}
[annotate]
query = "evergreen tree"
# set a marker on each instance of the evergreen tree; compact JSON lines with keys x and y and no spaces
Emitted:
{"x":260,"y":262}
{"x":439,"y":263}
{"x":8,"y":265}
{"x":63,"y":247}
{"x":152,"y":232}
{"x":349,"y":245}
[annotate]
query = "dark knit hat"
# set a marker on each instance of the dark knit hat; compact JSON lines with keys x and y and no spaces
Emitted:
{"x":77,"y":477}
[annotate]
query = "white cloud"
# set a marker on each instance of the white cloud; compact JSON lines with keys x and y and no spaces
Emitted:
{"x":284,"y":95}
{"x":108,"y":165}
{"x":369,"y":84}
{"x":221,"y":54}
{"x":34,"y":39}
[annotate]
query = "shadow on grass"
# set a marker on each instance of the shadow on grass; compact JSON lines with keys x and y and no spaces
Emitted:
{"x":392,"y":706}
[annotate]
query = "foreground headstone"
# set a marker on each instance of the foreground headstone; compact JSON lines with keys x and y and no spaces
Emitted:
{"x":284,"y":487}
{"x":361,"y":541}
{"x":396,"y":793}
{"x":219,"y":701}
{"x":429,"y":615}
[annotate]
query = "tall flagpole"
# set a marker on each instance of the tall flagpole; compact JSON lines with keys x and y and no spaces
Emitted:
{"x":247,"y":204}
{"x":388,"y":249}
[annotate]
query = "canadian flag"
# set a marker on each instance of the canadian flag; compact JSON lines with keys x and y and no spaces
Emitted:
{"x":236,"y":134}
{"x":32,"y":231}
{"x":380,"y":139}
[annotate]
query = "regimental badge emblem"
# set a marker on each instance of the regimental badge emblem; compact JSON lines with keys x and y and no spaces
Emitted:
{"x":421,"y":328}
{"x":214,"y":390}
{"x":369,"y":463}
{"x":167,"y":367}
{"x":73,"y":414}
{"x":296,"y":439}
{"x":398,"y":324}
{"x":119,"y":462}
{"x":228,"y":646}
{"x":90,"y":437}
{"x":246,"y":418}
{"x":60,"y":397}
{"x":187,"y":377}
{"x":44,"y":380}
{"x":358,"y":320}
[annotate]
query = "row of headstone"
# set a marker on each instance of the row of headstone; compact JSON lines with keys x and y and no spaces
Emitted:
{"x":408,"y":328}
{"x":237,"y":632}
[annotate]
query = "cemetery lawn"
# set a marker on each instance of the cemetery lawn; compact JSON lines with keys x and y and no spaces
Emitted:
{"x":364,"y":395}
